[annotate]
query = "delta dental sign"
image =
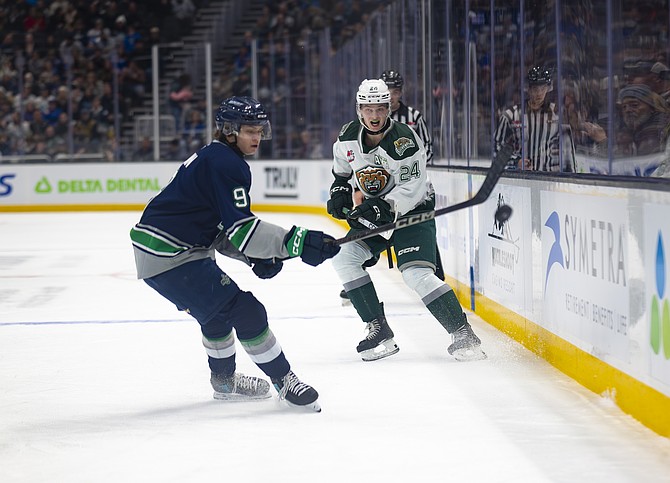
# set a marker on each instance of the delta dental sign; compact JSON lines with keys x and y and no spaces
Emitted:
{"x":126,"y":184}
{"x":86,"y":184}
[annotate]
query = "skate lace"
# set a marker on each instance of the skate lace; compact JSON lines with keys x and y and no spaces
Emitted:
{"x":292,"y":384}
{"x":373,"y":329}
{"x":246,"y":382}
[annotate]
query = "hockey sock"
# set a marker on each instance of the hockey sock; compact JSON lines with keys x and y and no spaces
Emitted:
{"x":365,"y":301}
{"x":220,"y":354}
{"x":448,"y":311}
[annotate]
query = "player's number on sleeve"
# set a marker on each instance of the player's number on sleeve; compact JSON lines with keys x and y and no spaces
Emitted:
{"x":407,"y":172}
{"x":240,"y":197}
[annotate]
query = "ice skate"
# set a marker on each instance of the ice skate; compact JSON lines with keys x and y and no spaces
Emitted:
{"x":466,"y":346}
{"x":297,"y":393}
{"x":378,"y":343}
{"x":239,"y":387}
{"x":344,"y":298}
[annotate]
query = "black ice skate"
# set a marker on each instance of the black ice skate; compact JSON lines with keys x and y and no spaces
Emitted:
{"x":466,"y":346}
{"x":239,"y":387}
{"x":296,"y":393}
{"x":344,"y":298}
{"x":379,"y":342}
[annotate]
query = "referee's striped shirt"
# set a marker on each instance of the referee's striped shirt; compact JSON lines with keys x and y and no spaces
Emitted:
{"x":540,"y":135}
{"x":413,"y":118}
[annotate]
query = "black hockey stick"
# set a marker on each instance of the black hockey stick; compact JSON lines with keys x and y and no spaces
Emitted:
{"x":490,"y":181}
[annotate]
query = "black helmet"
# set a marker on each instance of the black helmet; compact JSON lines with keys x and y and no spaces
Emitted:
{"x":539,"y":76}
{"x":240,"y":110}
{"x":392,"y":78}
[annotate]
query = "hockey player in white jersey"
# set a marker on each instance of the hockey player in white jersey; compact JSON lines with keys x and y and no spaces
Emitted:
{"x":387,"y":160}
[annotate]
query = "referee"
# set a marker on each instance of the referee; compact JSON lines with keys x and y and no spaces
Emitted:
{"x":401,"y":112}
{"x":538,"y":143}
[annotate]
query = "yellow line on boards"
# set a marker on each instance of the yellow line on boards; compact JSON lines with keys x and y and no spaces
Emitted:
{"x":633,"y":397}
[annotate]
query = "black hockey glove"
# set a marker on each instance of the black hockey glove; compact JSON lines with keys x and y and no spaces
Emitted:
{"x":340,"y":198}
{"x":375,"y":210}
{"x":314,"y":247}
{"x":266,"y":268}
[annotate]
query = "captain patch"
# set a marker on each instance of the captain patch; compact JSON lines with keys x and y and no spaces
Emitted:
{"x":402,"y":145}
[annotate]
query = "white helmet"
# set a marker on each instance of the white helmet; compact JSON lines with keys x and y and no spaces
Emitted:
{"x":373,"y":91}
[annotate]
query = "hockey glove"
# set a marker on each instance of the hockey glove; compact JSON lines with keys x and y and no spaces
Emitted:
{"x":375,"y":210}
{"x":340,"y":198}
{"x":314,"y":247}
{"x":266,"y":268}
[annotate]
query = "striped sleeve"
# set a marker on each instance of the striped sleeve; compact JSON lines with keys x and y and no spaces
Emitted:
{"x":422,"y":130}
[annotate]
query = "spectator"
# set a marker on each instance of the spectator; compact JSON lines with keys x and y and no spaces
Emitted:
{"x":38,"y":126}
{"x":175,"y":151}
{"x":54,"y":143}
{"x":194,"y":129}
{"x":145,"y":151}
{"x":310,"y":147}
{"x":652,"y":74}
{"x":181,"y":95}
{"x":85,"y":132}
{"x":646,"y":119}
{"x":133,"y":80}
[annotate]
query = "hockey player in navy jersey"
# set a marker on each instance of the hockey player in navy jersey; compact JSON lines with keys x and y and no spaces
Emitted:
{"x":387,"y":161}
{"x":206,"y":208}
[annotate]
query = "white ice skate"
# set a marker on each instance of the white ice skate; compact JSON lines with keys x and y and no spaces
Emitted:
{"x":466,"y":346}
{"x":239,"y":387}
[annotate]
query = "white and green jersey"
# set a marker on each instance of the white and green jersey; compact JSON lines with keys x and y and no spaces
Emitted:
{"x":394,"y":170}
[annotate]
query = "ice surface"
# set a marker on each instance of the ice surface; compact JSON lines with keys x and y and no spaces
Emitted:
{"x":102,"y":380}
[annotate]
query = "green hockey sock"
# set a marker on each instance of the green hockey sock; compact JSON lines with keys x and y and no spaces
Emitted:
{"x":448,"y":311}
{"x":365,"y":301}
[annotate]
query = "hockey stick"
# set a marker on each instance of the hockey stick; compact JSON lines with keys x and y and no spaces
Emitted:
{"x":490,"y":181}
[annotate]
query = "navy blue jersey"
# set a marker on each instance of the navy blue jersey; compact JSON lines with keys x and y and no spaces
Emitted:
{"x":206,"y":206}
{"x":210,"y":191}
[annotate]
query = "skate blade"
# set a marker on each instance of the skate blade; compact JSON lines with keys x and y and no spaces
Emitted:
{"x":315,"y":406}
{"x":467,"y":354}
{"x":385,"y":349}
{"x":222,"y":396}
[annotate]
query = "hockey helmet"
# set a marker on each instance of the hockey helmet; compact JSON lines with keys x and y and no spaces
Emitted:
{"x":238,"y":111}
{"x":373,"y":91}
{"x":539,"y":76}
{"x":393,"y":79}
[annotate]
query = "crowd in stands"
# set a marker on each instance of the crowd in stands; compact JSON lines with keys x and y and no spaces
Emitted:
{"x":282,"y":33}
{"x":58,"y":94}
{"x":57,"y":59}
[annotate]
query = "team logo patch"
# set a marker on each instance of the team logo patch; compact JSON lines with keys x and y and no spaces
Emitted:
{"x":350,"y":156}
{"x":402,"y":145}
{"x":373,"y":180}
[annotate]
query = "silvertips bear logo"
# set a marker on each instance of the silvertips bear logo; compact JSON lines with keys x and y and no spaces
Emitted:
{"x":402,"y":145}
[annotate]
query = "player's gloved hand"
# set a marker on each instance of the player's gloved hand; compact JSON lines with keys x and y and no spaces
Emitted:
{"x":314,"y":247}
{"x":340,"y":198}
{"x":266,"y":268}
{"x":375,"y":210}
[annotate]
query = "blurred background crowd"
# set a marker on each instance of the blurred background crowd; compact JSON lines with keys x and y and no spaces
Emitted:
{"x":79,"y":79}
